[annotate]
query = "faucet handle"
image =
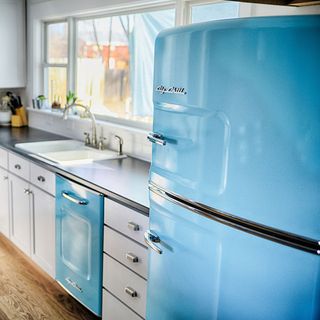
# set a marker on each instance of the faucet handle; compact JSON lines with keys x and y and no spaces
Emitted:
{"x":101,"y":145}
{"x":87,"y":138}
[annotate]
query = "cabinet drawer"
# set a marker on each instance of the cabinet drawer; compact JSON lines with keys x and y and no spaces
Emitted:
{"x":42,"y":178}
{"x":129,"y":222}
{"x":113,"y":309}
{"x":128,"y":252}
{"x":3,"y":158}
{"x":124,"y":284}
{"x":19,"y":166}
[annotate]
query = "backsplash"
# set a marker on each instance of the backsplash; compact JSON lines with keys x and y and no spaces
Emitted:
{"x":135,"y":140}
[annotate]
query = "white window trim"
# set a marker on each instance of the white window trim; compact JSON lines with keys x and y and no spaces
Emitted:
{"x":44,"y":57}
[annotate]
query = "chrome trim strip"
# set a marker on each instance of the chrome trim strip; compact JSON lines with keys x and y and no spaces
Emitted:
{"x":260,"y":230}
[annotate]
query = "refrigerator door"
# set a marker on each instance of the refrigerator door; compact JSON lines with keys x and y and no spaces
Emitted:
{"x":236,"y":118}
{"x":210,"y":271}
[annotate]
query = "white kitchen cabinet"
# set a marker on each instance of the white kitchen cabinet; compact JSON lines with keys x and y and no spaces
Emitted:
{"x":32,"y":211}
{"x":20,"y":213}
{"x":113,"y":309}
{"x":43,"y":230}
{"x":4,"y":200}
{"x":125,"y":262}
{"x":13,"y":44}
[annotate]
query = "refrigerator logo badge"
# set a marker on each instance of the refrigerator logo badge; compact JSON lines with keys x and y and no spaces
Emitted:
{"x":173,"y":90}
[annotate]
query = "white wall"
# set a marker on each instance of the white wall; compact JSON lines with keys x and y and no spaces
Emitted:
{"x":136,"y":143}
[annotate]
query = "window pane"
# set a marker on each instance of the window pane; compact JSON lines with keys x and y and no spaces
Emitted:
{"x":215,"y":11}
{"x":57,"y":85}
{"x":115,"y":63}
{"x":57,"y":42}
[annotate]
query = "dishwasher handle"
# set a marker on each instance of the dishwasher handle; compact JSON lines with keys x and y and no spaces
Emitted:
{"x":72,"y":198}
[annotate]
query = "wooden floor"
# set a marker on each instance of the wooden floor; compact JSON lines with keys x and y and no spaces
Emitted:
{"x":26,"y":292}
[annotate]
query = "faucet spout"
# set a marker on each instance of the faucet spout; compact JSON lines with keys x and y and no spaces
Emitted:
{"x":120,"y":140}
{"x":92,"y":117}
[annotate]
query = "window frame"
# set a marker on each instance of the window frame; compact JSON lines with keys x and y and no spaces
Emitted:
{"x":45,"y":63}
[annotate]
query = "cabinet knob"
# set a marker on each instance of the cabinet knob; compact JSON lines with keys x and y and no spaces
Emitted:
{"x":41,"y":179}
{"x":133,"y":226}
{"x":5,"y":178}
{"x":27,"y":191}
{"x":131,"y":257}
{"x":17,"y":166}
{"x":131,"y":292}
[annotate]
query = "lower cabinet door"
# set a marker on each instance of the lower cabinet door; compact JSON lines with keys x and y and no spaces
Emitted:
{"x":43,"y":230}
{"x":113,"y":309}
{"x":20,"y":213}
{"x":4,"y":200}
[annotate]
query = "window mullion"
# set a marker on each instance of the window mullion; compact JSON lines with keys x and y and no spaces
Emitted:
{"x":71,"y":55}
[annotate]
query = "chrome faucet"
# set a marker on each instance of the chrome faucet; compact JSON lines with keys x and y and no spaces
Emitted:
{"x":94,"y":142}
{"x":120,"y":140}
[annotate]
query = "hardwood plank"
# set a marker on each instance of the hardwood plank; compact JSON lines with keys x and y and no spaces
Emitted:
{"x":28,"y":293}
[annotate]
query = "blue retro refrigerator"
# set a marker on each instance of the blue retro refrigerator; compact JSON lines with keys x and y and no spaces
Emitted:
{"x":235,"y":175}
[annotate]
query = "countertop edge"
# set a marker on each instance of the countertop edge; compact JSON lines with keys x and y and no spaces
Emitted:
{"x":107,"y":193}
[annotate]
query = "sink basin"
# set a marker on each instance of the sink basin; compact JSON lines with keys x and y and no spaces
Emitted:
{"x":49,"y":146}
{"x":66,"y":152}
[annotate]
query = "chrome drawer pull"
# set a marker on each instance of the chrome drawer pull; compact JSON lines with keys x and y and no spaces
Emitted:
{"x":150,"y":239}
{"x":41,"y":179}
{"x":81,"y":202}
{"x":131,"y":292}
{"x":133,"y":226}
{"x":131,"y":257}
{"x":17,"y":166}
{"x":157,"y":138}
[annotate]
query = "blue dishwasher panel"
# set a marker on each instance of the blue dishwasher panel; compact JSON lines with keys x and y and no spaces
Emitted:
{"x":79,"y":234}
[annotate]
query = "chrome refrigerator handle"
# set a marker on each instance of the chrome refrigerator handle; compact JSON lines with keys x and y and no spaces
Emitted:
{"x":151,"y":238}
{"x":157,"y":138}
{"x":81,"y":202}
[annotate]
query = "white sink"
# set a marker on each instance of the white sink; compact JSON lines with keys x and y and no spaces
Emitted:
{"x":50,"y":146}
{"x":67,"y":152}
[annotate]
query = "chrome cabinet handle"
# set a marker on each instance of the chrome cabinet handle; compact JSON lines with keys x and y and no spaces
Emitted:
{"x":79,"y":201}
{"x":157,"y":138}
{"x":27,"y":191}
{"x":133,"y":226}
{"x":150,"y":239}
{"x":131,"y":292}
{"x":17,"y":166}
{"x":131,"y":257}
{"x":41,"y":179}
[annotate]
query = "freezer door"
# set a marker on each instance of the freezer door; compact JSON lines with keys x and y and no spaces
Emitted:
{"x":236,"y":118}
{"x":210,"y":271}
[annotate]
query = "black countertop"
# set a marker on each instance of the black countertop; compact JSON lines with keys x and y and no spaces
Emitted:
{"x":125,"y":180}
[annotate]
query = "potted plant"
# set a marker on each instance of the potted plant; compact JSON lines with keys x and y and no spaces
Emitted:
{"x":41,"y":99}
{"x":71,"y":98}
{"x":5,"y":111}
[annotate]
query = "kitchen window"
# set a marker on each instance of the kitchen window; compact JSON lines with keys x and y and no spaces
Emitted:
{"x":56,"y":61}
{"x":115,"y":63}
{"x":214,"y":11}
